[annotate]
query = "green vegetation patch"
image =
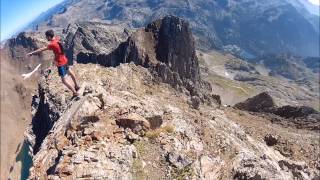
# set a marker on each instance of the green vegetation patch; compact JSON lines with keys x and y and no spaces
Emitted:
{"x":153,"y":134}
{"x":181,"y":174}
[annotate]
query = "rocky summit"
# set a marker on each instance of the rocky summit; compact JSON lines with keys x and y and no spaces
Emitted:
{"x":134,"y":126}
{"x":145,"y":112}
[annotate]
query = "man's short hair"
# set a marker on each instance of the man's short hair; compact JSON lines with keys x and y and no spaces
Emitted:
{"x":50,"y":33}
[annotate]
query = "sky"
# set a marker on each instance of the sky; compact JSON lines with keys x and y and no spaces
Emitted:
{"x":315,"y":2}
{"x":312,"y":6}
{"x":15,"y":14}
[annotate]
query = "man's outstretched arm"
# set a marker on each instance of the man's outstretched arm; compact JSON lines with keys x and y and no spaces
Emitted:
{"x":37,"y":51}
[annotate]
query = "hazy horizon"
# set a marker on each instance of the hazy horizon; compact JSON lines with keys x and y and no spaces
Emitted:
{"x":13,"y":22}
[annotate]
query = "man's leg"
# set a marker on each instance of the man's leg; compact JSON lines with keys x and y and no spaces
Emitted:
{"x":63,"y":72}
{"x":68,"y":84}
{"x":73,"y":77}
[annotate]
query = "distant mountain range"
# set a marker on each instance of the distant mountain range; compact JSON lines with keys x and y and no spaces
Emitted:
{"x":255,"y":27}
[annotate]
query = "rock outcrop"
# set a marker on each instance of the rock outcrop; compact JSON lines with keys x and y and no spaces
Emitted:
{"x":259,"y":103}
{"x":25,"y":42}
{"x":294,"y":112}
{"x":165,"y":46}
{"x":92,"y":42}
{"x":299,"y":116}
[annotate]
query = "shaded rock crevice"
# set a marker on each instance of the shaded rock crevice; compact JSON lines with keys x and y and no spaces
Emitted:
{"x":43,"y":119}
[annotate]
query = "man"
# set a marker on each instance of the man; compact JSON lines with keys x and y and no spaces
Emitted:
{"x":61,"y":61}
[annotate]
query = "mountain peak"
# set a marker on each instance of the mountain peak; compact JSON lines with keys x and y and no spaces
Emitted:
{"x":255,"y":27}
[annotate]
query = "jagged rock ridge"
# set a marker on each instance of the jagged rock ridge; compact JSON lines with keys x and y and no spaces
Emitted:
{"x":16,"y":49}
{"x":165,"y":46}
{"x":132,"y":124}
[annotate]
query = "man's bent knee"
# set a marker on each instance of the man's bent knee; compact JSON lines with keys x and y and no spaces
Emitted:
{"x":64,"y":79}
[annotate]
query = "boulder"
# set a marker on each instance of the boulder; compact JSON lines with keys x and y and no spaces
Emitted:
{"x":133,"y":121}
{"x":178,"y":160}
{"x":258,"y":103}
{"x":271,"y":140}
{"x":195,"y":102}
